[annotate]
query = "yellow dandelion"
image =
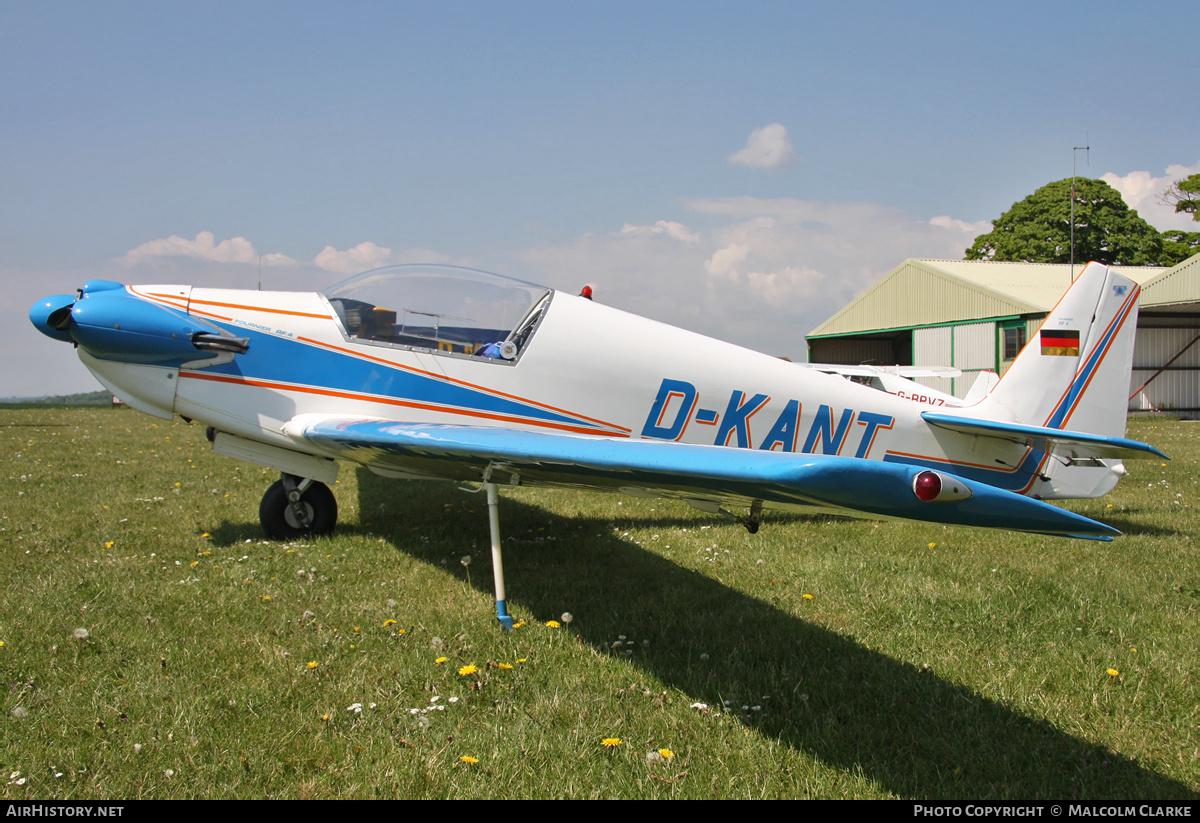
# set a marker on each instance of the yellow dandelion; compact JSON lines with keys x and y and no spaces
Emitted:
{"x":522,"y":659}
{"x":387,"y":623}
{"x":194,"y":563}
{"x":401,"y":631}
{"x":520,"y":624}
{"x":357,"y":629}
{"x":666,"y":754}
{"x":503,"y":666}
{"x":266,"y":597}
{"x":441,"y":660}
{"x":206,"y":534}
{"x":933,"y":545}
{"x":468,"y":669}
{"x":470,"y":761}
{"x":808,"y":597}
{"x":554,"y":624}
{"x":324,"y":718}
{"x":610,"y":742}
{"x":109,"y":544}
{"x":1113,"y":672}
{"x":312,"y":664}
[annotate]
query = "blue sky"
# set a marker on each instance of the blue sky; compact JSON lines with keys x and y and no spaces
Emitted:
{"x":739,"y":169}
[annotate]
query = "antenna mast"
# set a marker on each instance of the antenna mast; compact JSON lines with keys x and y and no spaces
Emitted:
{"x":1088,"y":157}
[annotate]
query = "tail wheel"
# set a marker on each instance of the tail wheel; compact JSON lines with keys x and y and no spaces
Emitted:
{"x":314,"y":514}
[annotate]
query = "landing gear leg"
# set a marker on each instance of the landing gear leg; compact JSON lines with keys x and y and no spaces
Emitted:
{"x":297,"y":507}
{"x":493,"y":501}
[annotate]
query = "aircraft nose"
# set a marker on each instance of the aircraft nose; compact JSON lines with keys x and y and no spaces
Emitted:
{"x":52,"y":316}
{"x":112,"y":324}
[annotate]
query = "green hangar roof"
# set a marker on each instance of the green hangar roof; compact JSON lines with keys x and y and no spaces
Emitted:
{"x":932,"y":292}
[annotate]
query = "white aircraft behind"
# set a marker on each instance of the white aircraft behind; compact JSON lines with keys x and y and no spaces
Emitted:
{"x":450,"y":373}
{"x":897,"y":380}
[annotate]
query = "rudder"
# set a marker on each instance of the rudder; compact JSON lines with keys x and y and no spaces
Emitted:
{"x":1074,"y":373}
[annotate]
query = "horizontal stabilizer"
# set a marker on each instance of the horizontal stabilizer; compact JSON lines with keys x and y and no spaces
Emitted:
{"x":1052,"y":441}
{"x":828,"y":483}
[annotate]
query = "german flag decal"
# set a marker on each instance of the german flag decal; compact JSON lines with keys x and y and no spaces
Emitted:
{"x":1060,"y":342}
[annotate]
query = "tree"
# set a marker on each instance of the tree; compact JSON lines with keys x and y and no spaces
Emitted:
{"x":1179,"y":246}
{"x":1038,"y":229}
{"x":1184,"y":195}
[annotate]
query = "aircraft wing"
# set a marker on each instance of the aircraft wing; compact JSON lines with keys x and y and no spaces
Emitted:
{"x":696,"y":473}
{"x":1052,"y":441}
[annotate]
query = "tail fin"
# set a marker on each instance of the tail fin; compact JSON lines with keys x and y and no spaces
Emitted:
{"x":1074,"y":374}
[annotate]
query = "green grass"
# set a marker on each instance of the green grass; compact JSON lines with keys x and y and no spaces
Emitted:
{"x":870,"y":663}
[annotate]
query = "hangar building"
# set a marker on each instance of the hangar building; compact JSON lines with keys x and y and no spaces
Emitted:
{"x":977,"y":315}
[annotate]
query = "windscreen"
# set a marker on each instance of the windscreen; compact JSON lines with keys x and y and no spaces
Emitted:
{"x":434,"y":307}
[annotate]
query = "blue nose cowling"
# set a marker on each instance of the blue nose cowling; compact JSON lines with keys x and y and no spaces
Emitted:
{"x":111,"y":324}
{"x":52,"y":316}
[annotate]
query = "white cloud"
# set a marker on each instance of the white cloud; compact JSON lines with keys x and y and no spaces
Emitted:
{"x":726,"y":259}
{"x":767,"y":148}
{"x":362,"y":257}
{"x":969,"y":230}
{"x":668,"y":227}
{"x":205,"y":262}
{"x":788,"y":283}
{"x":204,"y":247}
{"x":1142,"y":191}
{"x":764,"y":274}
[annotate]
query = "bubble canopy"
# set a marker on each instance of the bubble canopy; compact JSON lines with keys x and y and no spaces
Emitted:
{"x":446,"y":308}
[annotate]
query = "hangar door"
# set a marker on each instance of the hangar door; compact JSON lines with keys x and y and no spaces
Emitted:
{"x":970,"y":347}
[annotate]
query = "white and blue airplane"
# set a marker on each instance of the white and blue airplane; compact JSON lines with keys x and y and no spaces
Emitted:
{"x":450,"y":373}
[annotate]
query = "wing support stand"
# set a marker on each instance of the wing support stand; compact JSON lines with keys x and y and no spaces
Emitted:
{"x":751,"y":521}
{"x":493,"y":502}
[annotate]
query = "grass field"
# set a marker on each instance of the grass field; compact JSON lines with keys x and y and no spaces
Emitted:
{"x":155,"y":646}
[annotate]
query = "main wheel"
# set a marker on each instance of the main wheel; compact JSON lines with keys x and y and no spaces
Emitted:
{"x":279,"y":520}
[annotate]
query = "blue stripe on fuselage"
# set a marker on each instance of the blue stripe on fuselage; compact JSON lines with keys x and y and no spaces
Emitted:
{"x":273,"y":357}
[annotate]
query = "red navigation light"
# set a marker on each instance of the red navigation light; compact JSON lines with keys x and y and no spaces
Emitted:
{"x":927,"y":486}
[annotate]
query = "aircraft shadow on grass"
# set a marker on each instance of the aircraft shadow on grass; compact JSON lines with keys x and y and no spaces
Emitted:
{"x":826,"y":694}
{"x":1128,"y":523}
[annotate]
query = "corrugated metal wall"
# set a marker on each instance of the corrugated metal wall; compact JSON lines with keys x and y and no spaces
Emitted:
{"x":1178,"y":387}
{"x":970,"y":347}
{"x":931,"y":347}
{"x":974,"y":351}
